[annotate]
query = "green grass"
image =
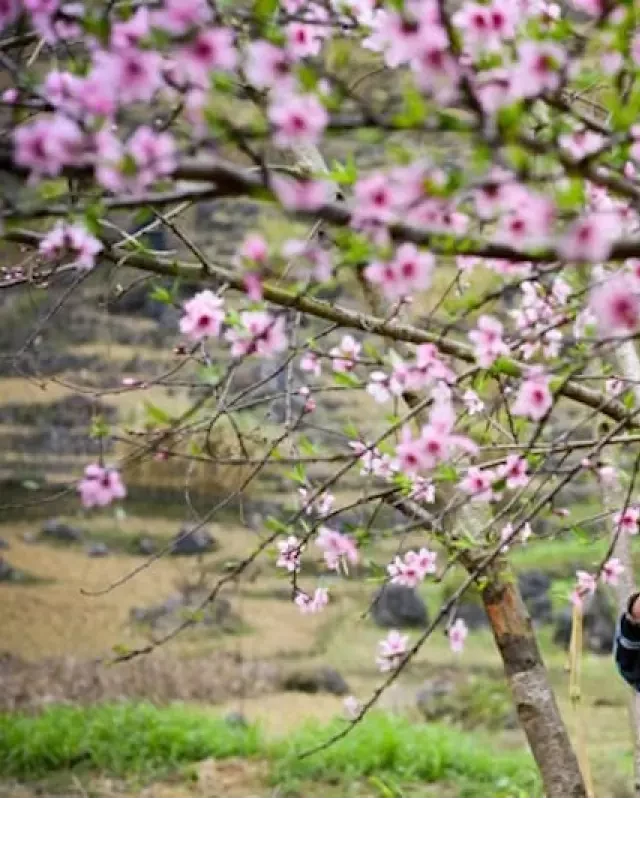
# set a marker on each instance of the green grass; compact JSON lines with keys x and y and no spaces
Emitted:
{"x":139,"y":740}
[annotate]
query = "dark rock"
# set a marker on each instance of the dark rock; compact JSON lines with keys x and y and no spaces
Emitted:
{"x":3,"y":544}
{"x":97,"y":549}
{"x":53,"y":528}
{"x":429,"y":696}
{"x":9,"y":574}
{"x":323,"y":680}
{"x":145,"y":546}
{"x":396,"y":606}
{"x":535,"y":591}
{"x":236,"y":719}
{"x":172,"y":612}
{"x":189,"y":542}
{"x":599,"y":625}
{"x":473,"y":614}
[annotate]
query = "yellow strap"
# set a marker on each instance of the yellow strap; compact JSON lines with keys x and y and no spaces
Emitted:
{"x":575,"y":696}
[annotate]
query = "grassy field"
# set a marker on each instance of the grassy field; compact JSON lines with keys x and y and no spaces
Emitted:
{"x":57,"y":619}
{"x":178,"y":749}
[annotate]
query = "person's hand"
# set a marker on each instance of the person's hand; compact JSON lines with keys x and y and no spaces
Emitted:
{"x":634,"y":607}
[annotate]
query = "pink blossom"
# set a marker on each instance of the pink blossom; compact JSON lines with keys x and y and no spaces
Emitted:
{"x":290,"y":550}
{"x":300,"y":194}
{"x":9,"y":11}
{"x":611,"y":571}
{"x":378,"y":386}
{"x":71,"y":239}
{"x":534,"y":398}
{"x":135,"y":75}
{"x":267,"y":66}
{"x":10,"y":96}
{"x":303,"y":39}
{"x":322,"y":505}
{"x":297,"y":119}
{"x":410,"y":270}
{"x":96,"y":94}
{"x":472,"y":402}
{"x":128,"y":33}
{"x":312,"y":604}
{"x":616,"y":305}
{"x":590,"y":238}
{"x":259,"y":333}
{"x":487,"y":339}
{"x":310,"y":363}
{"x":514,"y":471}
{"x":477,"y":483}
{"x":153,"y":153}
{"x":422,"y":489}
{"x":627,"y":520}
{"x":391,"y":651}
{"x":351,"y":707}
{"x":47,"y":144}
{"x":100,"y":486}
{"x":584,"y":588}
{"x":607,"y":474}
{"x":339,"y":549}
{"x":345,"y":355}
{"x":253,"y":286}
{"x":435,"y":69}
{"x":538,"y":68}
{"x":179,"y":16}
{"x":614,"y":386}
{"x":373,"y":199}
{"x":254,"y":249}
{"x":529,"y":226}
{"x":581,"y":143}
{"x":410,"y":455}
{"x":457,"y":634}
{"x":210,"y":50}
{"x":203,"y":316}
{"x":484,"y":27}
{"x":411,"y":569}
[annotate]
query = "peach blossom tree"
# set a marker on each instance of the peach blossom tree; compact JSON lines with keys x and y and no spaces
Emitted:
{"x":473,"y":298}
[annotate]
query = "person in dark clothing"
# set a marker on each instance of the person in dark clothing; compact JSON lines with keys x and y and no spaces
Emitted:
{"x":627,"y":642}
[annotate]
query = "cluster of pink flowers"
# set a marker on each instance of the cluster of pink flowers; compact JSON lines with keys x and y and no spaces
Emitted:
{"x":374,"y":461}
{"x":339,"y":550}
{"x":345,"y":355}
{"x":428,"y":369}
{"x":539,"y":315}
{"x":392,"y":650}
{"x":413,"y":567}
{"x":290,"y":551}
{"x":322,"y":505}
{"x":610,"y":573}
{"x":616,"y":304}
{"x":73,"y":240}
{"x":100,"y":486}
{"x":435,"y":443}
{"x":487,"y":340}
{"x":409,"y":270}
{"x":312,"y":603}
{"x":259,"y":333}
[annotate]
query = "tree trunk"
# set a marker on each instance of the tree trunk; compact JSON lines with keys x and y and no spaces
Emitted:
{"x":533,"y":696}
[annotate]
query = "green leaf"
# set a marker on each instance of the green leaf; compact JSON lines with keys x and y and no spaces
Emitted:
{"x":155,"y":414}
{"x":99,"y":427}
{"x":305,"y":445}
{"x":345,"y":380}
{"x":298,"y":474}
{"x":276,"y":526}
{"x":161,"y":294}
{"x":414,"y":110}
{"x":48,"y":190}
{"x":264,"y":9}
